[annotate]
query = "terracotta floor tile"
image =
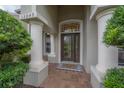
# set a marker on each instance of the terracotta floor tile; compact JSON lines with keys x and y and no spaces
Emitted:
{"x":66,"y":79}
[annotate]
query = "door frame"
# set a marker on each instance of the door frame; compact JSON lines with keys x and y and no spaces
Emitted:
{"x":73,"y":58}
{"x":81,"y":38}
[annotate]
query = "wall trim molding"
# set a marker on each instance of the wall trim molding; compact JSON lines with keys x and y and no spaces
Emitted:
{"x":105,"y":12}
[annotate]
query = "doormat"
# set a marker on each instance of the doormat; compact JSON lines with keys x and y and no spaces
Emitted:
{"x":72,"y":67}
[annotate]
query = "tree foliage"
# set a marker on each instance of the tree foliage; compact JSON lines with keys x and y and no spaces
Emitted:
{"x":114,"y":34}
{"x":14,"y":39}
{"x":114,"y":78}
{"x":11,"y":75}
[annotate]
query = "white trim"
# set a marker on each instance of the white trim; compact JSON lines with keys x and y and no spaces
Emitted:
{"x":81,"y":42}
{"x":28,"y":28}
{"x":33,"y":8}
{"x":93,"y":12}
{"x":105,"y":12}
{"x":81,"y":38}
{"x":70,"y":32}
{"x":69,"y":62}
{"x":27,"y":16}
{"x":98,"y":8}
{"x":52,"y":43}
{"x":44,"y":42}
{"x":36,"y":22}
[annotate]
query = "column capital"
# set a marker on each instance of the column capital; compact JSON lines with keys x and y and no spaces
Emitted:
{"x":36,"y":22}
{"x":104,"y":13}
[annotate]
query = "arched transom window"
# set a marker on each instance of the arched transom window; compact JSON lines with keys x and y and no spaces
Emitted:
{"x":70,"y":27}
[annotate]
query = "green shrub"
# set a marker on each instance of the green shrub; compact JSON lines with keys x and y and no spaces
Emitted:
{"x":26,"y":58}
{"x":14,"y":39}
{"x":114,"y":34}
{"x":12,"y":74}
{"x":114,"y":78}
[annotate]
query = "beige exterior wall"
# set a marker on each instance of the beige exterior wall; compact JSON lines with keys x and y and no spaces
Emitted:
{"x":26,"y":8}
{"x":56,"y":60}
{"x":56,"y":14}
{"x":92,"y":7}
{"x":66,"y":13}
{"x":70,"y":12}
{"x":50,"y":14}
{"x":90,"y":40}
{"x":107,"y":56}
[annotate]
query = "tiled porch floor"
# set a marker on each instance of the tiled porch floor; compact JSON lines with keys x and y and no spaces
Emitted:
{"x":66,"y":79}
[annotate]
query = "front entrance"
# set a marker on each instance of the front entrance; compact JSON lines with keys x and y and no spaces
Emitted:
{"x":70,"y":42}
{"x":70,"y":47}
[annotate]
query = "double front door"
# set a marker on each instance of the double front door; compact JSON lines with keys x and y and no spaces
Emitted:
{"x":70,"y":47}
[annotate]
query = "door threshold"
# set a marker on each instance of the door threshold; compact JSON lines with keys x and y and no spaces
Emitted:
{"x":71,"y":67}
{"x":69,"y":62}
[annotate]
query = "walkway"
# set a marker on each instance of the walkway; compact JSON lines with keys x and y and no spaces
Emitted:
{"x":66,"y":79}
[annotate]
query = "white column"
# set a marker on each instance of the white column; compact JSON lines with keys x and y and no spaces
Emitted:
{"x":107,"y":56}
{"x":52,"y":45}
{"x":52,"y":56}
{"x":38,"y":69}
{"x":36,"y":51}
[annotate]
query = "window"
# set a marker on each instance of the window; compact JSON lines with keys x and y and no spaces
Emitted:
{"x":121,"y":57}
{"x":70,"y":27}
{"x":47,"y":43}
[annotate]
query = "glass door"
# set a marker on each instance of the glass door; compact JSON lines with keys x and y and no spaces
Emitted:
{"x":76,"y":48}
{"x":70,"y":47}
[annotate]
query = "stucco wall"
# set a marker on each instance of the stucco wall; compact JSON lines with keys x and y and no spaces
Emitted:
{"x":84,"y":36}
{"x":26,"y":8}
{"x":66,"y":13}
{"x":46,"y":12}
{"x":92,"y":8}
{"x":90,"y":40}
{"x":50,"y":14}
{"x":69,"y":12}
{"x":55,"y":14}
{"x":56,"y":48}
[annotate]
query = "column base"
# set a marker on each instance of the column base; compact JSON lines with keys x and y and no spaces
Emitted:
{"x":52,"y":58}
{"x":96,"y":78}
{"x":35,"y":78}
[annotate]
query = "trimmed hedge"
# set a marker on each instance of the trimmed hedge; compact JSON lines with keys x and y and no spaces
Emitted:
{"x":15,"y":41}
{"x":114,"y":78}
{"x":114,"y":34}
{"x":26,"y":58}
{"x":12,"y":74}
